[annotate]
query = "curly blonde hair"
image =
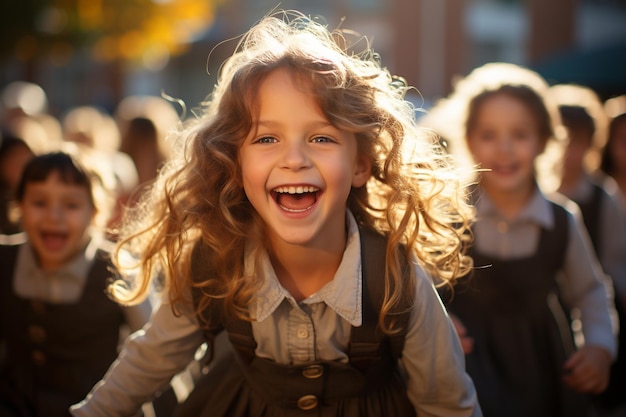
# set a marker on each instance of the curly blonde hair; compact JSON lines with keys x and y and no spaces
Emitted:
{"x":414,"y":195}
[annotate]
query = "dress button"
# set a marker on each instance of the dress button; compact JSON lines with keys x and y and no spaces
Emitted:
{"x":39,"y":358}
{"x":37,"y":334}
{"x":307,"y":402}
{"x":313,"y":371}
{"x":302,"y":333}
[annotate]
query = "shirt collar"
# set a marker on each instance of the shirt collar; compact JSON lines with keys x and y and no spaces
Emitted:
{"x":537,"y":210}
{"x":342,"y":294}
{"x":30,"y":280}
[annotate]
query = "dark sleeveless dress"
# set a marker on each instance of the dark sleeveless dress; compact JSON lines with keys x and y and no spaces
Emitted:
{"x":615,"y":392}
{"x":243,"y":385}
{"x":521,"y":332}
{"x":55,"y":353}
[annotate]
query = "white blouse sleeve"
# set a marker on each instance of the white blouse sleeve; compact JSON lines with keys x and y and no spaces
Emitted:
{"x":433,"y":359}
{"x":613,"y":242}
{"x":585,"y":287}
{"x":137,"y":316}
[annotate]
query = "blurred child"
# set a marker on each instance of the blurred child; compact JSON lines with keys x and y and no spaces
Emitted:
{"x":91,"y":129}
{"x":295,"y":218}
{"x":533,"y":259}
{"x":14,"y":155}
{"x":59,"y":328}
{"x":144,"y":123}
{"x":24,"y":114}
{"x":584,"y":118}
{"x":613,"y":160}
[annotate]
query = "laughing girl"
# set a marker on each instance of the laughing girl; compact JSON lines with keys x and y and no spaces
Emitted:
{"x":296,"y":219}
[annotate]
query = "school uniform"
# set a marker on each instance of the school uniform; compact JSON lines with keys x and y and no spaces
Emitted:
{"x":599,"y":203}
{"x":60,"y":330}
{"x":605,"y":221}
{"x":289,"y":334}
{"x":530,"y":272}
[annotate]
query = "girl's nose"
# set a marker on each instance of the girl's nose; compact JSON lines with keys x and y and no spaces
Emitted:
{"x":296,"y":155}
{"x":55,"y":212}
{"x":506,"y":144}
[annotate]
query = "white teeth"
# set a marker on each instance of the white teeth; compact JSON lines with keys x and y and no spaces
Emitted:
{"x":296,"y":190}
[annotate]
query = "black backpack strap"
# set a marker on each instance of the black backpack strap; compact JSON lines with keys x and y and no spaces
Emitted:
{"x":211,"y":318}
{"x":214,"y":320}
{"x":241,"y":337}
{"x":368,"y":342}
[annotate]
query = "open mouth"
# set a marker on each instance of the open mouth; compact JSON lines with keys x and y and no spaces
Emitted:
{"x":504,"y":169}
{"x":54,"y":240}
{"x":295,"y":199}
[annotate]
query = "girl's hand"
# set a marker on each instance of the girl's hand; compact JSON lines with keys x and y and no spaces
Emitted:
{"x":587,"y":370}
{"x":467,"y":343}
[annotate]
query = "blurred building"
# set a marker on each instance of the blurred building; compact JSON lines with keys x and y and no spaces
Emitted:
{"x":429,"y":42}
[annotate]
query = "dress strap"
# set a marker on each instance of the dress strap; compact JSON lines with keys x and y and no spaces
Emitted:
{"x":368,"y":343}
{"x":557,"y":238}
{"x":591,"y":213}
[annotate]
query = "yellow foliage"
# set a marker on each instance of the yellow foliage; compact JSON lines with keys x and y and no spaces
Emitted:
{"x":139,"y":29}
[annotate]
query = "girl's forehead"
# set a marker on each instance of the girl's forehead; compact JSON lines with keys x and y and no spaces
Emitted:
{"x":57,"y":179}
{"x":299,"y":77}
{"x":296,"y":79}
{"x":498,"y":99}
{"x":503,"y":95}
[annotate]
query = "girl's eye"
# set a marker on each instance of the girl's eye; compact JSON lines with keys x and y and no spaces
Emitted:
{"x":521,"y":135}
{"x":486,"y":135}
{"x":266,"y":139}
{"x":321,"y":139}
{"x":72,"y":206}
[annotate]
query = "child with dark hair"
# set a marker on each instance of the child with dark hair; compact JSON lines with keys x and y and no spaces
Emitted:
{"x":585,"y":121}
{"x":613,"y":159}
{"x":14,"y":154}
{"x":59,"y":328}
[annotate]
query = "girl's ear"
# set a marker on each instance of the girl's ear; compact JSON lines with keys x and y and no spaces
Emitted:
{"x":362,"y":171}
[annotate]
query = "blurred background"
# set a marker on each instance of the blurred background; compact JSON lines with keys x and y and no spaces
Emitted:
{"x":96,"y":52}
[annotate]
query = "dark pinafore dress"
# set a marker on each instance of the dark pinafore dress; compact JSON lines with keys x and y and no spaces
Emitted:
{"x":243,"y":385}
{"x":55,"y":353}
{"x":521,"y":331}
{"x":614,"y":394}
